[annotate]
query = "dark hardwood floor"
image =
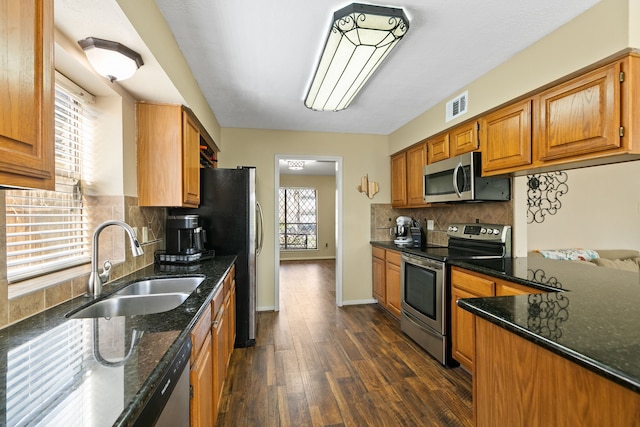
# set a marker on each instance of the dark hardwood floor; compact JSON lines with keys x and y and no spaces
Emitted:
{"x":315,"y":364}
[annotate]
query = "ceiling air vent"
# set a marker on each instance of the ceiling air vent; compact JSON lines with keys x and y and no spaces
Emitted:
{"x":457,"y":106}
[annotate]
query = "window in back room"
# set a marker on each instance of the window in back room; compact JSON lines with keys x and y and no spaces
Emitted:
{"x":298,"y":213}
{"x":47,"y":230}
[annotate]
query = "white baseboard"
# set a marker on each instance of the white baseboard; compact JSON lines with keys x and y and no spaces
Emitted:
{"x":307,"y":258}
{"x":359,"y":302}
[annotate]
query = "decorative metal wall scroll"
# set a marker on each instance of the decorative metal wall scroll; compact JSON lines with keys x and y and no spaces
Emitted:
{"x":543,"y":195}
{"x":547,"y":313}
{"x":540,"y":276}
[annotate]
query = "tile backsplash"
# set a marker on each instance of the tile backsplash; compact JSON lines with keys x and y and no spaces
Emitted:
{"x":113,"y":246}
{"x":383,"y":216}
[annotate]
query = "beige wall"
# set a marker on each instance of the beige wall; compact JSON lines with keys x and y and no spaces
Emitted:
{"x":326,"y":199}
{"x":148,"y":21}
{"x":601,"y":210}
{"x":599,"y":32}
{"x":632,"y":22}
{"x":361,"y":154}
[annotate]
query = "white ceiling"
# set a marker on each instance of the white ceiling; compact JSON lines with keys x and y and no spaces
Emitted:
{"x":311,"y":167}
{"x":254,"y":59}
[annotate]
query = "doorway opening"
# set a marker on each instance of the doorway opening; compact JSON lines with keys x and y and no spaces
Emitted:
{"x":300,"y":238}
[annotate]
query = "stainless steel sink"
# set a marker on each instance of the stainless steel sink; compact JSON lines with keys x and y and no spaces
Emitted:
{"x":130,"y":305}
{"x":146,"y":296}
{"x":162,"y":285}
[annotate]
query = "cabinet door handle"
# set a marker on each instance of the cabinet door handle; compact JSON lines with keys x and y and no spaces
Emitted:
{"x":218,"y":318}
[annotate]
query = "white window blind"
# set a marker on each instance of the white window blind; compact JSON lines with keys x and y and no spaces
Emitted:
{"x":47,"y":230}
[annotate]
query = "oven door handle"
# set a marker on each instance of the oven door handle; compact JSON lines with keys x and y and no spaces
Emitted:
{"x":423,"y":262}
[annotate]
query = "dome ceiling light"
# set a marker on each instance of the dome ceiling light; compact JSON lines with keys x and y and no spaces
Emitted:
{"x":111,"y":59}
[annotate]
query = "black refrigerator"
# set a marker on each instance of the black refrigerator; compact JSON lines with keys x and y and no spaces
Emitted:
{"x":232,"y":218}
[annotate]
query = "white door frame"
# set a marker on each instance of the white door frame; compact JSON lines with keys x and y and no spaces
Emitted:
{"x":338,"y":219}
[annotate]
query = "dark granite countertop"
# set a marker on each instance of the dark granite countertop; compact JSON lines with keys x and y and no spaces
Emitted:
{"x":386,"y":245}
{"x":595,"y":323}
{"x":589,"y":315}
{"x":97,"y":372}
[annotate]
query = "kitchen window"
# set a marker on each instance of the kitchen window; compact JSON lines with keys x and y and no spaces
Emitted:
{"x":47,"y":230}
{"x":298,"y":213}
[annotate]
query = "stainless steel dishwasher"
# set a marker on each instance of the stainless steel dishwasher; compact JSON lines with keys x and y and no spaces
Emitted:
{"x":169,"y":404}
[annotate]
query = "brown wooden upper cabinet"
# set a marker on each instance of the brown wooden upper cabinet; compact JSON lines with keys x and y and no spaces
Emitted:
{"x":27,"y":146}
{"x":399,"y":179}
{"x":416,"y":160}
{"x":438,"y":148}
{"x":505,"y":138}
{"x":464,"y":138}
{"x":458,"y":140}
{"x":581,"y":116}
{"x":585,"y":120}
{"x":169,"y":141}
{"x":406,"y":176}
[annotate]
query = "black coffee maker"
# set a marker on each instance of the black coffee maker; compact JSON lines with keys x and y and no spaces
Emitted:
{"x":184,"y":235}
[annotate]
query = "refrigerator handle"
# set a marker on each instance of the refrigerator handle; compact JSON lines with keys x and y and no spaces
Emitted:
{"x":261,"y":225}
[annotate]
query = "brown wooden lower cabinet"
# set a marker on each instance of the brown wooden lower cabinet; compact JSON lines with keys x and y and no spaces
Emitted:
{"x":201,"y":374}
{"x":386,"y":278}
{"x":378,"y":273}
{"x":469,"y":284}
{"x":213,"y":342}
{"x":393,"y":263}
{"x":219,"y":345}
{"x":518,"y":383}
{"x":230,"y":312}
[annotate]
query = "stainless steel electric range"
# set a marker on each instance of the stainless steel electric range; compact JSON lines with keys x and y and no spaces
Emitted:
{"x":425,"y":288}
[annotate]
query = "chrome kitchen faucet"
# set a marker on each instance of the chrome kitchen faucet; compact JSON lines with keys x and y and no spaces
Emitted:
{"x":97,"y":279}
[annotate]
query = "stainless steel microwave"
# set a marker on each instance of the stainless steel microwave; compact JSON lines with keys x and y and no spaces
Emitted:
{"x":459,"y":180}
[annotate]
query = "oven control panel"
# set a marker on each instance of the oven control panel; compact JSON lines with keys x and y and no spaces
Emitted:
{"x":482,"y":232}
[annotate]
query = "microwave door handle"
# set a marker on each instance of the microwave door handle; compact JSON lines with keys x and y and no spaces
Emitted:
{"x":455,"y":178}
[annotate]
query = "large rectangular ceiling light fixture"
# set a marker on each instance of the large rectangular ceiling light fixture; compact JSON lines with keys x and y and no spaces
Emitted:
{"x":361,"y":36}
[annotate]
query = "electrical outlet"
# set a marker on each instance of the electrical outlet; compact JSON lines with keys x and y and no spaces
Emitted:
{"x":430,"y":224}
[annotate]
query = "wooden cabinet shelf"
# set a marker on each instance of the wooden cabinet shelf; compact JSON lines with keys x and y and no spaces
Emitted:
{"x":208,"y":157}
